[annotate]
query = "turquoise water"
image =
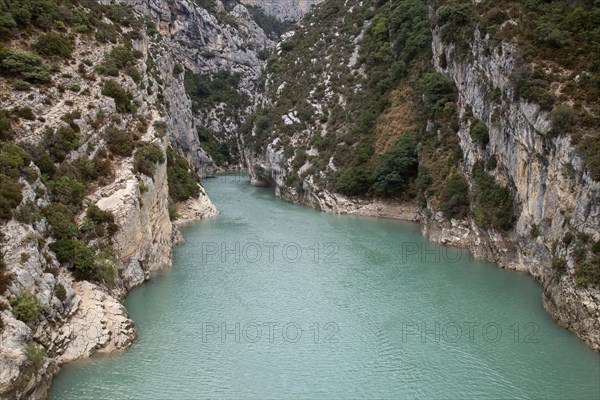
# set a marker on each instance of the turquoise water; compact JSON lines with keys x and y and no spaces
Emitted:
{"x":272,"y":300}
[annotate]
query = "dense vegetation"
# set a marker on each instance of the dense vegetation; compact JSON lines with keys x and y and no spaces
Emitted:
{"x":558,"y":42}
{"x":183,"y":181}
{"x":207,"y":91}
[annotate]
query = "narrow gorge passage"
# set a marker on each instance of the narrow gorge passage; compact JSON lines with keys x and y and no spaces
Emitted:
{"x":361,"y":317}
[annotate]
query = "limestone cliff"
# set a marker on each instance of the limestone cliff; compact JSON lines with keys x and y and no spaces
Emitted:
{"x":118,"y":105}
{"x":322,"y":137}
{"x":284,"y":9}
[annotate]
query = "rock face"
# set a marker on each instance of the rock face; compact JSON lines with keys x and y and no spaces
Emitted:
{"x":284,"y":9}
{"x":554,"y":193}
{"x":89,"y":318}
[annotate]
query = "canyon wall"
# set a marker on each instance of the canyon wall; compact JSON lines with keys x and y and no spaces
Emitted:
{"x":81,"y":317}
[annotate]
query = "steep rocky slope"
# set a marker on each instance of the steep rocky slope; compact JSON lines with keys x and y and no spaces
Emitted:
{"x":99,"y":153}
{"x":478,"y":113}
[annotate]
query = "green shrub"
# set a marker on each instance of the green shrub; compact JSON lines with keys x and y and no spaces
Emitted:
{"x":454,"y":199}
{"x":146,"y":157}
{"x":588,"y":273}
{"x":106,"y":33}
{"x":119,"y":58}
{"x":183,"y":181}
{"x":120,"y":142}
{"x":354,"y":181}
{"x":60,"y":143}
{"x":589,"y":148}
{"x":53,"y":45}
{"x":493,"y":202}
{"x":21,"y":85}
{"x":10,"y":196}
{"x":177,"y":69}
{"x":35,"y":354}
{"x":22,"y":65}
{"x":564,"y":120}
{"x":538,"y":91}
{"x":208,"y":91}
{"x":5,"y":125}
{"x":437,"y":92}
{"x":61,"y":219}
{"x":26,"y":306}
{"x":60,"y":292}
{"x":98,"y":223}
{"x":559,"y":265}
{"x":75,"y":252}
{"x":535,"y":231}
{"x":122,"y":98}
{"x":479,"y":133}
{"x":66,"y":190}
{"x":398,"y":167}
{"x":455,"y":17}
{"x":12,"y":159}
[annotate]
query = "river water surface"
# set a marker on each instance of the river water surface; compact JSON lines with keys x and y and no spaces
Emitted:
{"x":272,"y":300}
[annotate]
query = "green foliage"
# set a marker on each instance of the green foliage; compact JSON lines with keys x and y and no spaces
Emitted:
{"x":564,"y":120}
{"x":183,"y":181}
{"x":61,"y":219}
{"x":21,"y":85}
{"x":589,"y":148}
{"x":438,"y":91}
{"x":398,"y":167}
{"x":479,"y":133}
{"x":25,"y":66}
{"x":120,"y":142}
{"x":536,"y":87}
{"x":220,"y":152}
{"x":535,"y":231}
{"x":118,"y":59}
{"x":208,"y":91}
{"x":5,"y":125}
{"x":13,"y":159}
{"x":354,"y":181}
{"x":26,"y":306}
{"x":98,"y":223}
{"x":60,"y":143}
{"x":53,"y":45}
{"x":588,"y":273}
{"x":87,"y":264}
{"x":454,"y":199}
{"x":146,"y":157}
{"x":177,"y":69}
{"x":559,"y":265}
{"x":66,"y":190}
{"x":112,"y":88}
{"x":60,"y":292}
{"x":454,"y":18}
{"x":10,"y":196}
{"x":493,"y":202}
{"x":35,"y":354}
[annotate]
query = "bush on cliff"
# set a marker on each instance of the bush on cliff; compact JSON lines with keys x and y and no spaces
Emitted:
{"x":454,"y":201}
{"x":53,"y":45}
{"x":26,"y":306}
{"x":398,"y":167}
{"x":183,"y":182}
{"x":493,"y":202}
{"x":146,"y":157}
{"x":25,"y":66}
{"x":122,"y":97}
